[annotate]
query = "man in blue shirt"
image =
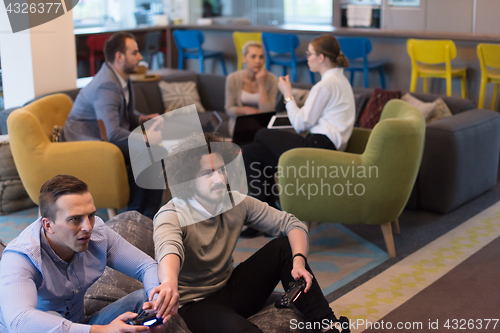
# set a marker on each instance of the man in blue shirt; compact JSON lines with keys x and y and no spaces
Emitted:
{"x":45,"y":272}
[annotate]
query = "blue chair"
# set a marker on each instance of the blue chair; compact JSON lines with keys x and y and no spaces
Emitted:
{"x":152,"y":47}
{"x":188,"y":44}
{"x":280,"y":45}
{"x":359,"y":47}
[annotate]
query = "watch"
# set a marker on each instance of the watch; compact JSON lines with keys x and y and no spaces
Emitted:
{"x":288,"y":99}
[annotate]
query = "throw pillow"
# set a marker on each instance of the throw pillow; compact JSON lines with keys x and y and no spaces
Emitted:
{"x":300,"y":96}
{"x":425,"y":108}
{"x":371,"y":114}
{"x":179,"y":94}
{"x":440,"y":111}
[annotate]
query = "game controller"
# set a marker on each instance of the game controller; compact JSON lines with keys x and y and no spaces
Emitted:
{"x":149,"y":320}
{"x":292,"y":294}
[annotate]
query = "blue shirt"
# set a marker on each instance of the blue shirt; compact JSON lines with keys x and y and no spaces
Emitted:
{"x":33,"y":279}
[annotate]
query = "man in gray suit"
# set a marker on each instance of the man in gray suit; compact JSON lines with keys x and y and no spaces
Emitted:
{"x":110,"y":97}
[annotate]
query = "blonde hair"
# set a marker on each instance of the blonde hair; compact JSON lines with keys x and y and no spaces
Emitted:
{"x":329,"y":46}
{"x":250,"y":44}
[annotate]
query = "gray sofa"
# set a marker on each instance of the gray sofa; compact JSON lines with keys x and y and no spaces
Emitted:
{"x":461,"y":153}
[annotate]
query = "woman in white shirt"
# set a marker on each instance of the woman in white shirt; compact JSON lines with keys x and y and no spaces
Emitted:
{"x":251,"y":90}
{"x":328,"y":114}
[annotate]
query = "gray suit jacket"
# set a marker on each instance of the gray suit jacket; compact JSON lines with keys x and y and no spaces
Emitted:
{"x":102,"y":98}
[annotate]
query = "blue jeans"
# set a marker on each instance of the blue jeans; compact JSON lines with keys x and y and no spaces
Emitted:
{"x":132,"y":302}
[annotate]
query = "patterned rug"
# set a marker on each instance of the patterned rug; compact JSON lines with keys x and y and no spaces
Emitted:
{"x":336,"y":255}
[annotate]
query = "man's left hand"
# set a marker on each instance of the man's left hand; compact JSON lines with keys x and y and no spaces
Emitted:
{"x":158,"y":328}
{"x":298,"y":271}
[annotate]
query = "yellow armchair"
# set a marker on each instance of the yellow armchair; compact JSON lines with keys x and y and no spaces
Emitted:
{"x":100,"y":164}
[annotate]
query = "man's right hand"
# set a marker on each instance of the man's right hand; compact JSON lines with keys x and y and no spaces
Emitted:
{"x":167,"y":302}
{"x":153,"y":133}
{"x":119,"y":326}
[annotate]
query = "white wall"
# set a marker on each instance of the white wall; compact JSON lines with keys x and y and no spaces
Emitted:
{"x":37,"y":61}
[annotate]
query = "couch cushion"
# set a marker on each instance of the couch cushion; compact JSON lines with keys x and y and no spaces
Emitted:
{"x":425,"y":108}
{"x":179,"y":94}
{"x":455,"y":104}
{"x":137,"y":229}
{"x":148,"y":98}
{"x":440,"y":111}
{"x":375,"y":105}
{"x":212,"y":90}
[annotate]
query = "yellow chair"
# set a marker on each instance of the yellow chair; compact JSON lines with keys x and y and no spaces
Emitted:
{"x":430,"y":53}
{"x":489,"y":56}
{"x":240,"y":39}
{"x":100,"y":164}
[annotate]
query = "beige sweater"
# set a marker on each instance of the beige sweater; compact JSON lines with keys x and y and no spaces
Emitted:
{"x":234,"y":86}
{"x":206,"y":248}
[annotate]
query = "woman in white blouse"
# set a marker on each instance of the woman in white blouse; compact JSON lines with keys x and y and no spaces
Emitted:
{"x":251,"y":90}
{"x":328,"y":114}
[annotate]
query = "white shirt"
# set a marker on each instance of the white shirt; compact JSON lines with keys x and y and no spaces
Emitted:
{"x":329,"y":109}
{"x":123,"y":84}
{"x":249,"y":99}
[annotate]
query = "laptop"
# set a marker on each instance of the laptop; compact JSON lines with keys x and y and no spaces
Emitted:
{"x":247,"y":126}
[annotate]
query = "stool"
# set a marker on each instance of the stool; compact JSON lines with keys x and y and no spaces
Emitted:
{"x":152,"y":47}
{"x":188,"y":44}
{"x":95,"y":44}
{"x":430,"y":53}
{"x":240,"y":39}
{"x":355,"y":48}
{"x":281,"y":45}
{"x":489,"y":56}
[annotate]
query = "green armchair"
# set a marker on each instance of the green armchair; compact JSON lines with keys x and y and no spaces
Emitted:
{"x":370,"y":183}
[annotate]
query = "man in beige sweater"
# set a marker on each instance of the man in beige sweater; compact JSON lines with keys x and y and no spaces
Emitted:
{"x":195,"y":235}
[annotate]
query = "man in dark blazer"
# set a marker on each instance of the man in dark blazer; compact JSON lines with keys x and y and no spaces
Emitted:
{"x":110,"y":97}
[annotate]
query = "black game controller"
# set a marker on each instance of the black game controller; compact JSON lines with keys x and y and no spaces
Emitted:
{"x":149,"y":320}
{"x":292,"y":294}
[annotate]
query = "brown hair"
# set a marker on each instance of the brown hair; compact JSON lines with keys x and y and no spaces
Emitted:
{"x":116,"y":43}
{"x":183,"y":162}
{"x":329,"y":46}
{"x":56,"y":187}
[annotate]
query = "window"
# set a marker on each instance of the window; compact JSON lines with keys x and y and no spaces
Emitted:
{"x":89,"y":13}
{"x":309,"y":11}
{"x":407,"y":3}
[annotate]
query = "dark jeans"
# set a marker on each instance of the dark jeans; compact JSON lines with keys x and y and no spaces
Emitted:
{"x":145,"y":201}
{"x":247,"y":290}
{"x":261,"y":158}
{"x":133,"y":302}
